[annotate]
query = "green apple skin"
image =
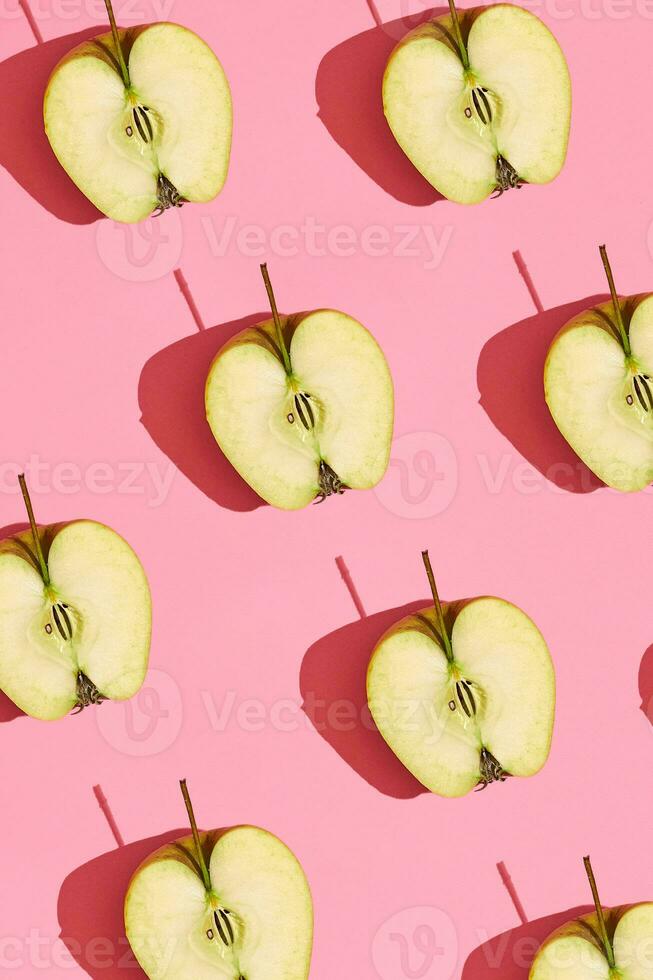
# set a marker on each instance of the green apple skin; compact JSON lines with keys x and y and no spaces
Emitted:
{"x":254,"y":876}
{"x":87,"y":112}
{"x":250,"y":399}
{"x":411,"y":686}
{"x":440,"y":118}
{"x":97,"y":574}
{"x":575,"y":951}
{"x":588,"y":386}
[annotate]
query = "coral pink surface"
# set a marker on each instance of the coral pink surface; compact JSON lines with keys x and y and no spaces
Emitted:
{"x":256,"y":687}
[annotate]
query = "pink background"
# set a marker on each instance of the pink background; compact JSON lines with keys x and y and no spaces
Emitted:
{"x":99,"y":407}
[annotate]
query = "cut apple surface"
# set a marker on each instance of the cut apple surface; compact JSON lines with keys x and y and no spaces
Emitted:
{"x":609,"y":944}
{"x":480,"y":104}
{"x":75,"y":618}
{"x":232,"y":904}
{"x":302,"y":407}
{"x":149,"y":137}
{"x":464,"y":694}
{"x":598,"y":383}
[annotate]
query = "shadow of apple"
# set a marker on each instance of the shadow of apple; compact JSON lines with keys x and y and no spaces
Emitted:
{"x":348,"y":91}
{"x":510,"y":381}
{"x":333,"y":687}
{"x":510,"y":955}
{"x":646,"y":683}
{"x":90,"y":909}
{"x":9,"y":710}
{"x":25,"y":151}
{"x":171,"y":399}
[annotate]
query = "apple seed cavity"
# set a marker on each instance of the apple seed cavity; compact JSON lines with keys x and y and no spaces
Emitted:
{"x":61,"y":617}
{"x":465,"y":699}
{"x":481,"y":105}
{"x":641,"y":384}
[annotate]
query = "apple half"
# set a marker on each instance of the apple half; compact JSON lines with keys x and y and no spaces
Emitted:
{"x":302,"y":406}
{"x":598,"y":384}
{"x":609,"y":944}
{"x":141,"y":119}
{"x":464,"y":693}
{"x":75,"y":617}
{"x":480,"y":103}
{"x":232,"y":904}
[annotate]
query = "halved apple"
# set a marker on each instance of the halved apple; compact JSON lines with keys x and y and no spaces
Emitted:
{"x":141,"y":119}
{"x":231,"y":904}
{"x":302,"y":406}
{"x":75,"y":617}
{"x":606,"y":945}
{"x":598,"y":384}
{"x":480,"y":103}
{"x":464,"y":693}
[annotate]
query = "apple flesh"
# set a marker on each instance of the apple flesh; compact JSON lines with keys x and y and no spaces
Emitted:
{"x":82,"y":636}
{"x":251,"y":918}
{"x":302,"y":406}
{"x":480,"y":104}
{"x":150,"y":138}
{"x":609,"y":944}
{"x":464,"y":694}
{"x":598,"y":384}
{"x":574,"y":952}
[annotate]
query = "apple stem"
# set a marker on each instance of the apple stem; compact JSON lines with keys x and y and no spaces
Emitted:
{"x":615,"y":300}
{"x":609,"y":952}
{"x":196,"y":836}
{"x":118,"y":46}
{"x":459,"y":37}
{"x":448,"y":649}
{"x":45,"y":575}
{"x":276,"y":318}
